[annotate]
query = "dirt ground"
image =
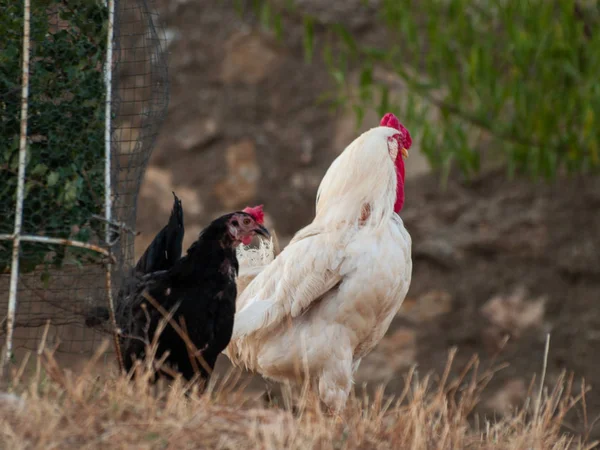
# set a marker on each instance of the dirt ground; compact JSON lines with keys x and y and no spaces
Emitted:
{"x":491,"y":258}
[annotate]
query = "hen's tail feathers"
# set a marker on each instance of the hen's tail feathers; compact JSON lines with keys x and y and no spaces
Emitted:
{"x":253,"y":260}
{"x":166,"y":248}
{"x":162,"y":253}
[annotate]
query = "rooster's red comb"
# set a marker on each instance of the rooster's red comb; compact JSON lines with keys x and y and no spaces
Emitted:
{"x":390,"y":120}
{"x":257,"y":213}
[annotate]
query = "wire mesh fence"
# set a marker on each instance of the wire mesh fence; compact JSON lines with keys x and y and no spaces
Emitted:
{"x":95,"y":94}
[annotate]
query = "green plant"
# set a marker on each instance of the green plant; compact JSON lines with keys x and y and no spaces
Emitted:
{"x":64,"y":183}
{"x":518,"y":79}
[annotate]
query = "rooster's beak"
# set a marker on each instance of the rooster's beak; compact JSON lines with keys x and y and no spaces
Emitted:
{"x":262,"y":231}
{"x":404,"y":152}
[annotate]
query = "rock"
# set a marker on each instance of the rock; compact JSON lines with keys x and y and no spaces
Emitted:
{"x":157,"y":188}
{"x":191,"y":234}
{"x":172,"y":35}
{"x":190,"y":202}
{"x":304,"y":180}
{"x":580,"y":259}
{"x":426,"y":307}
{"x":306,"y":153}
{"x":297,"y":181}
{"x":243,"y":173}
{"x":439,"y":251}
{"x":355,"y":14}
{"x":592,"y":198}
{"x":512,"y":314}
{"x":248,"y":58}
{"x":157,"y":182}
{"x":194,"y":135}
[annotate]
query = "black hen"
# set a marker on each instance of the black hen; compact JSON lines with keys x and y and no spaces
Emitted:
{"x":201,"y":288}
{"x":161,"y":254}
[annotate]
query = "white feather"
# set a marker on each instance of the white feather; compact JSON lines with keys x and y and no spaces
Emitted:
{"x":252,"y":261}
{"x":330,"y":295}
{"x":254,"y":313}
{"x":251,"y":257}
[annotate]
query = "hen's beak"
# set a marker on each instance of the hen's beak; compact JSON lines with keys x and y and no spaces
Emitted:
{"x":404,"y":152}
{"x":262,"y":231}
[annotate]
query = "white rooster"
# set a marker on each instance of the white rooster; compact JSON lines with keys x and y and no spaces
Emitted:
{"x":329,"y":297}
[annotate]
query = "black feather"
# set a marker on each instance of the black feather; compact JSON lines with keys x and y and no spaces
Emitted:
{"x":202,"y":287}
{"x":161,"y":254}
{"x":165,"y":248}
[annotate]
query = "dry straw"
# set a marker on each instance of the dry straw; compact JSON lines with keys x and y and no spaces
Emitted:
{"x":58,"y":409}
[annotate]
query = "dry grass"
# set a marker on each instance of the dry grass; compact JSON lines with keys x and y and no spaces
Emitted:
{"x":63,"y":410}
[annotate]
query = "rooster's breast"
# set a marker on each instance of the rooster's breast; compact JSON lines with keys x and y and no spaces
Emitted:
{"x":377,"y":270}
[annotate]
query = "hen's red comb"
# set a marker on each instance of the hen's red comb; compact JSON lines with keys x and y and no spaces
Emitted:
{"x":257,"y":213}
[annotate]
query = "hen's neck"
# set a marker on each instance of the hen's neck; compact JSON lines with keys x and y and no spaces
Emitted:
{"x":207,"y":254}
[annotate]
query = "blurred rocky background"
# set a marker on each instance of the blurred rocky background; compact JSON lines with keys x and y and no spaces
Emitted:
{"x":493,"y":258}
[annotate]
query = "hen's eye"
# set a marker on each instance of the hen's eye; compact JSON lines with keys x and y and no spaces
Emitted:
{"x":246,"y":221}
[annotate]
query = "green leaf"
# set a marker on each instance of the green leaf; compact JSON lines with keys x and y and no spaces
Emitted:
{"x":265,"y":15}
{"x":359,"y":113}
{"x":339,"y":76}
{"x":39,"y":169}
{"x":52,"y":179}
{"x":374,"y":53}
{"x":278,"y":26}
{"x":347,"y":38}
{"x":366,"y":83}
{"x":308,"y":38}
{"x":384,"y":104}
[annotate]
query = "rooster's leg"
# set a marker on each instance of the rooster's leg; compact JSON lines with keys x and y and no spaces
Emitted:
{"x":336,"y":379}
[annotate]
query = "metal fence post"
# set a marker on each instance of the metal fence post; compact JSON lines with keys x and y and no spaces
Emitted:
{"x":108,"y":173}
{"x":14,"y":270}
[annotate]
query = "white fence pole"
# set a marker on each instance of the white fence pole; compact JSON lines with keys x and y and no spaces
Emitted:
{"x":108,"y":119}
{"x":14,"y":270}
{"x":107,"y":171}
